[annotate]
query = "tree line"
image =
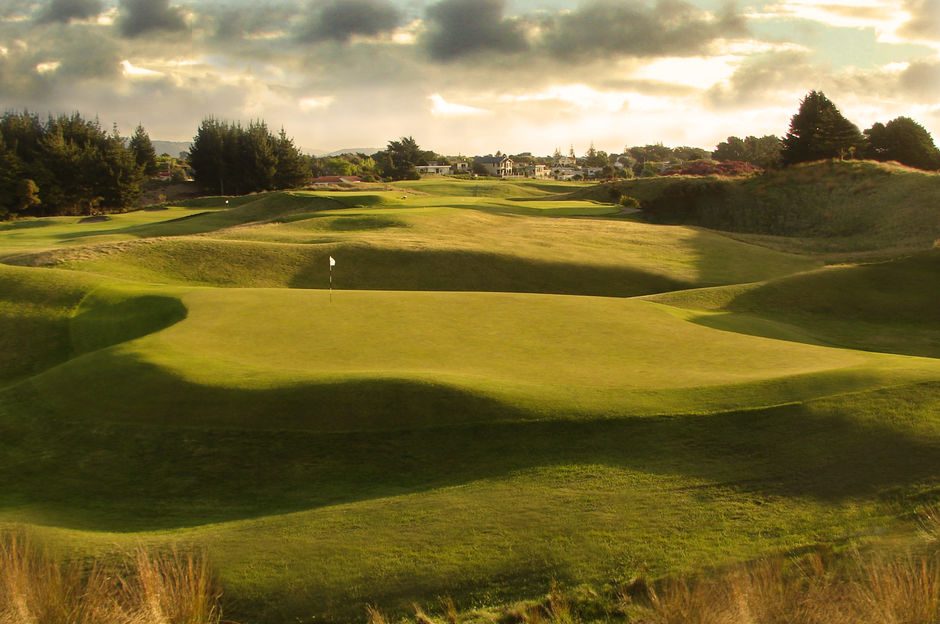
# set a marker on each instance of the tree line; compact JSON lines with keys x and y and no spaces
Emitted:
{"x":67,"y":165}
{"x":229,"y":159}
{"x":819,"y":131}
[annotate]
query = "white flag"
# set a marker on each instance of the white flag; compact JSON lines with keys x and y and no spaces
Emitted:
{"x":332,"y":261}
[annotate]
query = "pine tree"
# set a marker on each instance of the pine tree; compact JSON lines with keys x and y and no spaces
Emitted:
{"x":292,"y":168}
{"x":819,"y":131}
{"x":144,"y":154}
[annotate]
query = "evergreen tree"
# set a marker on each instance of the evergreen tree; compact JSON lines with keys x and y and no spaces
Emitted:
{"x":207,"y":155}
{"x":257,"y":162}
{"x":819,"y":131}
{"x":292,"y":168}
{"x":905,"y":141}
{"x":65,"y":165}
{"x":227,"y":158}
{"x":144,"y":154}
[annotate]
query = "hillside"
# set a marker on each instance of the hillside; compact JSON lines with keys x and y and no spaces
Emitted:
{"x":508,"y":385}
{"x":843,"y":210}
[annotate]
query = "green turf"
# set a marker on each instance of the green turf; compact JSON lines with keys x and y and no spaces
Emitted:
{"x":480,"y":408}
{"x":840,"y":210}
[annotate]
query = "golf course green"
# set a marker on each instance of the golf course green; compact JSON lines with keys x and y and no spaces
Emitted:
{"x":509,"y":383}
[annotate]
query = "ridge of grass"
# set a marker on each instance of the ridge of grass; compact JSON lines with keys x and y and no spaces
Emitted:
{"x":884,"y":306}
{"x":842,"y":209}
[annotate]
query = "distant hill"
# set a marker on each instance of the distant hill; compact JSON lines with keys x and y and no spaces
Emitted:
{"x":173,"y":148}
{"x":353,"y":150}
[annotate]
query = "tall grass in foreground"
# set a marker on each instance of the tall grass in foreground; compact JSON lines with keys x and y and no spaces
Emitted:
{"x":876,"y":587}
{"x":172,"y":588}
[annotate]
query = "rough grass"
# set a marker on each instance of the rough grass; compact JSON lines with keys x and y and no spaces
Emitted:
{"x":151,"y":588}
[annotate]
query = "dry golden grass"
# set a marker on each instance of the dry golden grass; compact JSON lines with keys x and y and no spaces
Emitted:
{"x":880,"y":589}
{"x":174,"y":588}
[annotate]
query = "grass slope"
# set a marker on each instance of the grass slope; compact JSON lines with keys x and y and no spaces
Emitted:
{"x":392,"y":446}
{"x":844,"y":210}
{"x":423,"y":243}
{"x":886,"y":306}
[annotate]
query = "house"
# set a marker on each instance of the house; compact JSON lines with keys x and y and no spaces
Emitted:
{"x":334,"y":180}
{"x":532,"y":171}
{"x":566,"y":173}
{"x":461,"y":167}
{"x":566,"y":161}
{"x":434,"y":169}
{"x":497,"y":166}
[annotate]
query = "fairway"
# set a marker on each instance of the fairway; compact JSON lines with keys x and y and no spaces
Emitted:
{"x":507,"y":386}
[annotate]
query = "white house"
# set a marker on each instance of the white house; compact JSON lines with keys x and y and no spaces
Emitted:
{"x":498,"y":166}
{"x":434,"y":169}
{"x":532,"y":171}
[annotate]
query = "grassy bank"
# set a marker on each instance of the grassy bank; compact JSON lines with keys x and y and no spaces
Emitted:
{"x":483,"y":406}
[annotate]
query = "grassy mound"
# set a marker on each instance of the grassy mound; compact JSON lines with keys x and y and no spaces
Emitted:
{"x":887,"y":306}
{"x":429,"y":247}
{"x":822,"y":207}
{"x":34,"y":318}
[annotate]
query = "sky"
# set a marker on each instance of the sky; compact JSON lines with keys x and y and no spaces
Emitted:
{"x":472,"y":77}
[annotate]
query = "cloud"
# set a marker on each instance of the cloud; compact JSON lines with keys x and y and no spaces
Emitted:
{"x":761,"y":80}
{"x":458,"y":28}
{"x":442,"y":108}
{"x":340,"y":20}
{"x":67,"y":10}
{"x":925,"y":20}
{"x":15,"y":9}
{"x":138,"y":17}
{"x":921,"y":80}
{"x":252,"y":20}
{"x":604,"y":28}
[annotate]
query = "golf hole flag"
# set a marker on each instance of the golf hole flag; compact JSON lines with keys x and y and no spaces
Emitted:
{"x":332,"y":264}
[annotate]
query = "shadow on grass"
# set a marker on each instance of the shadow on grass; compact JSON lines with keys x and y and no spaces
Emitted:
{"x":366,"y":268}
{"x":170,"y":470}
{"x":888,"y":307}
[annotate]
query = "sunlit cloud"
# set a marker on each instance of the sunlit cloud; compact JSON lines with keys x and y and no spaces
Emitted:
{"x":442,"y":108}
{"x":701,"y":72}
{"x":886,"y":17}
{"x":138,"y":72}
{"x":312,"y":103}
{"x":45,"y":68}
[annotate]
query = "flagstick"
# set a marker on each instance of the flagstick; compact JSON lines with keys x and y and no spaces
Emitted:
{"x":331,"y":283}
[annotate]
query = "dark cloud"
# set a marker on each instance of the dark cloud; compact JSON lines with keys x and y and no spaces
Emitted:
{"x":925,"y":19}
{"x":67,"y":10}
{"x":15,"y":8}
{"x":458,"y":28}
{"x":239,"y":21}
{"x":339,"y":20}
{"x":605,"y":28}
{"x":757,"y":82}
{"x":921,"y":81}
{"x":138,"y":17}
